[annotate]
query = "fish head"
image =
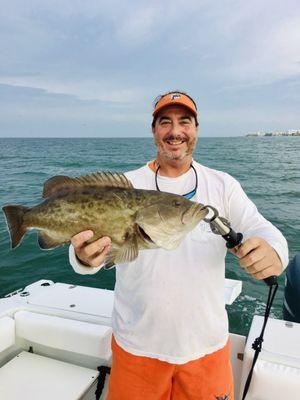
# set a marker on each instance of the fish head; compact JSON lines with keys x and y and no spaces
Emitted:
{"x":167,"y":221}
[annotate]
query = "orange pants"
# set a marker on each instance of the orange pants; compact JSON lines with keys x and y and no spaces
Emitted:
{"x":143,"y":378}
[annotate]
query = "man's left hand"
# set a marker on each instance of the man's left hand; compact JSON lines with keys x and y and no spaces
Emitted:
{"x":258,"y":258}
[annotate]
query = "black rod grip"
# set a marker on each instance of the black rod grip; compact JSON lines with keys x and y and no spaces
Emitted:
{"x":271,"y":280}
{"x":233,"y":239}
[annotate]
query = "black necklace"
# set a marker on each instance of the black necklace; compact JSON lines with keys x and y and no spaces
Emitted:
{"x":188,"y":195}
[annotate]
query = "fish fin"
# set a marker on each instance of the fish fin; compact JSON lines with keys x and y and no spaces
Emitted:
{"x":56,"y":184}
{"x":126,"y":253}
{"x":109,"y":265}
{"x":59,"y":183}
{"x":15,"y":221}
{"x":47,"y":242}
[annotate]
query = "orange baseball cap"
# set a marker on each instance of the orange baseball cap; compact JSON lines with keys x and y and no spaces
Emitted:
{"x":175,"y":98}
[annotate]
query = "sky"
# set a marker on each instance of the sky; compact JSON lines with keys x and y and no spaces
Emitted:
{"x":93,"y":68}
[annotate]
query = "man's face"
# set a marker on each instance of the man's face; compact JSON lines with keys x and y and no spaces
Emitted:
{"x":175,"y":133}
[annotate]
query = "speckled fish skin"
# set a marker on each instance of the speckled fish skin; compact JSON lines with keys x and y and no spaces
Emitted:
{"x":108,"y":205}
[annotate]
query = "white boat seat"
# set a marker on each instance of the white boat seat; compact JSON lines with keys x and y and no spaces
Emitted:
{"x":274,"y":381}
{"x":7,"y":333}
{"x":33,"y":377}
{"x":64,"y":334}
{"x":276,"y":374}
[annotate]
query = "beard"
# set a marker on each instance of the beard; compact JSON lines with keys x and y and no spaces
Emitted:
{"x":169,"y":154}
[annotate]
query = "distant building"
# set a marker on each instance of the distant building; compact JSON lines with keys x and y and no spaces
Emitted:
{"x":290,"y":132}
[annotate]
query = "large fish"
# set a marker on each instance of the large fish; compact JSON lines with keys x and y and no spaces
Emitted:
{"x":107,"y":204}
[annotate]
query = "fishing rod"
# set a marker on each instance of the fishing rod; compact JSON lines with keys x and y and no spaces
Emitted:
{"x":221,"y":226}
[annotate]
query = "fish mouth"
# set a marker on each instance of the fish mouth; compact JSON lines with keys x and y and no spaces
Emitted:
{"x":198,"y":211}
{"x":144,"y":235}
{"x":202,"y":211}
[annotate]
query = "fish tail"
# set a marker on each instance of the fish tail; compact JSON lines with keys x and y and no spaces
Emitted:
{"x":15,"y":221}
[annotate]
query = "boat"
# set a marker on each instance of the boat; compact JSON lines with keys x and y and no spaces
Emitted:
{"x":55,"y":344}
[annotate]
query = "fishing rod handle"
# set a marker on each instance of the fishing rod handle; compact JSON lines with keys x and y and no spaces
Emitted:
{"x":234,"y":240}
{"x":271,"y":280}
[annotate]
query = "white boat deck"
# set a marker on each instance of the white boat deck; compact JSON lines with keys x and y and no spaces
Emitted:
{"x":68,"y":328}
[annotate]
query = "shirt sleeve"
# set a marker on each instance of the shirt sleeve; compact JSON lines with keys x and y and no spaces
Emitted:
{"x":78,"y":267}
{"x":245,"y":218}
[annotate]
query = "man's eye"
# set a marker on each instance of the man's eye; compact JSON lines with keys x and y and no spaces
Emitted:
{"x":164,"y":122}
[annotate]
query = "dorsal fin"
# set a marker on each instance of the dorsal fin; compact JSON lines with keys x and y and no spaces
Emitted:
{"x":97,"y":179}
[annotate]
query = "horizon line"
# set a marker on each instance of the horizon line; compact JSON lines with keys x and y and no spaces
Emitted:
{"x":100,"y":137}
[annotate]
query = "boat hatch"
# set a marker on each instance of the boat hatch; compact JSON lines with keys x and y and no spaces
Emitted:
{"x":44,"y":378}
{"x":79,"y":299}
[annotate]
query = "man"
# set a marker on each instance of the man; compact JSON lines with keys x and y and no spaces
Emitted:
{"x":170,"y":327}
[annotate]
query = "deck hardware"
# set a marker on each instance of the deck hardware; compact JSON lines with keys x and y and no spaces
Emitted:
{"x":103,"y":371}
{"x":14,"y":292}
{"x":24,"y":294}
{"x":72,"y":305}
{"x":72,"y":286}
{"x":240,"y":356}
{"x":289,"y":324}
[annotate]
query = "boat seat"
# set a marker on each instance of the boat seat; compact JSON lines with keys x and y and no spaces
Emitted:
{"x":33,"y":377}
{"x":276,"y":375}
{"x":274,"y":381}
{"x":7,"y":333}
{"x":64,"y":334}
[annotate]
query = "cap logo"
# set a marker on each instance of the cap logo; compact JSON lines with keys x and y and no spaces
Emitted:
{"x":175,"y":96}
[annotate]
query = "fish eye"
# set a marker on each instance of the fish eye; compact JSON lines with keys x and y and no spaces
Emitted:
{"x":176,"y":203}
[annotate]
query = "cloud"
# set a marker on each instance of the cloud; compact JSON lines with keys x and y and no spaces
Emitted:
{"x":121,"y":55}
{"x":85,"y":89}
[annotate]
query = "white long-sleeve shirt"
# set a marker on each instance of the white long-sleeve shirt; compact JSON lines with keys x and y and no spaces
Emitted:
{"x":170,"y":305}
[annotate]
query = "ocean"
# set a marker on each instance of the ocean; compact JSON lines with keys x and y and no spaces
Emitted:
{"x":267,"y":168}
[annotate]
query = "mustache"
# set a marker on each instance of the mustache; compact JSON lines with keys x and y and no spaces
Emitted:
{"x":175,"y":137}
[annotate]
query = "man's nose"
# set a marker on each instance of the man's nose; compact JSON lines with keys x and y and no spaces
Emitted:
{"x":175,"y":128}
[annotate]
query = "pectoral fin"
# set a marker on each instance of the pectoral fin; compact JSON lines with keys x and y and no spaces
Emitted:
{"x":119,"y":255}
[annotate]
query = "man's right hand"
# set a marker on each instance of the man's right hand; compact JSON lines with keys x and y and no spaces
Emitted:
{"x":91,"y":254}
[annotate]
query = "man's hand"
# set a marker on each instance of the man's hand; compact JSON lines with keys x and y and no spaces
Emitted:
{"x":91,"y":254}
{"x":258,"y":258}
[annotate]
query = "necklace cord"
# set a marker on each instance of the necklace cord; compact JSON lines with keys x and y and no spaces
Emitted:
{"x":188,"y":195}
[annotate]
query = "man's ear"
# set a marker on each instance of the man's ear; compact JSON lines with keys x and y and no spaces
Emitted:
{"x":198,"y":130}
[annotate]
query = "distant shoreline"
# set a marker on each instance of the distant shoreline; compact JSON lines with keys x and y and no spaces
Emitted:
{"x":141,"y":137}
{"x":263,"y":134}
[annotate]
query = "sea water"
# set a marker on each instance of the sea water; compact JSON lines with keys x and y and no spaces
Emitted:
{"x":267,"y":168}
